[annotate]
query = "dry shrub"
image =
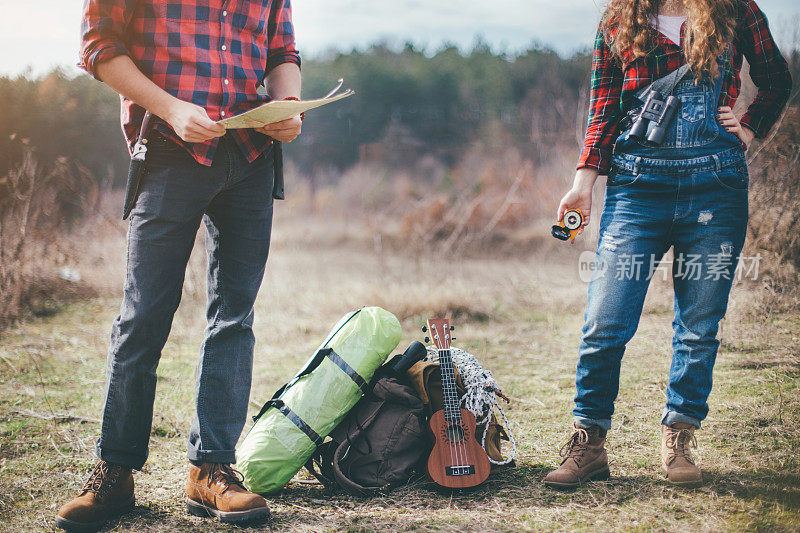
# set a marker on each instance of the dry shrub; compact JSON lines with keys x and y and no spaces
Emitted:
{"x":489,"y":201}
{"x":36,"y":207}
{"x":774,"y":229}
{"x":419,"y":301}
{"x":775,"y":196}
{"x":490,"y":198}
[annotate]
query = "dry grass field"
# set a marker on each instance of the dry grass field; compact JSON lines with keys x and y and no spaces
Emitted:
{"x":519,"y":314}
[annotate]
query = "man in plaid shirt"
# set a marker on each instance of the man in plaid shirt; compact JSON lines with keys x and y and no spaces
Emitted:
{"x":188,"y":63}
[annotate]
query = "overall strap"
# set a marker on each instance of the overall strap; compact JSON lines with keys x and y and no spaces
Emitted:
{"x":666,"y":84}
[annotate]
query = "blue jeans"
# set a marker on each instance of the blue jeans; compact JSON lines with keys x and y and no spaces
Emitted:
{"x":699,"y":208}
{"x":233,"y":198}
{"x":689,"y":194}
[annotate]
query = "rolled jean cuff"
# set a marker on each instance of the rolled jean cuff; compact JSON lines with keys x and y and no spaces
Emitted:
{"x":212,"y":456}
{"x":604,"y":424}
{"x":128,"y":460}
{"x":669,"y":417}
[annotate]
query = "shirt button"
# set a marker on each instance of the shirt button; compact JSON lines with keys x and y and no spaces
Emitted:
{"x":222,"y":113}
{"x":224,"y":47}
{"x":226,"y":82}
{"x":224,"y":13}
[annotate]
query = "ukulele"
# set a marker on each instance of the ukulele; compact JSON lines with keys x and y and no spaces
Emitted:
{"x":457,"y":460}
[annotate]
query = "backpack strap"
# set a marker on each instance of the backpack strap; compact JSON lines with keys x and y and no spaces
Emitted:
{"x":345,"y":482}
{"x":286,"y":411}
{"x":347,"y":437}
{"x":318,"y":356}
{"x":346,"y":368}
{"x":318,"y":467}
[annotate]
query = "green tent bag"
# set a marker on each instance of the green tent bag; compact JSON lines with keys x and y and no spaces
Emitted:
{"x":300,"y":415}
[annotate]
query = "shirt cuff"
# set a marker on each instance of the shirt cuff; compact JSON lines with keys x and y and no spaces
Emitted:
{"x":595,"y":158}
{"x":759,"y":127}
{"x":101,"y":53}
{"x":279,"y":59}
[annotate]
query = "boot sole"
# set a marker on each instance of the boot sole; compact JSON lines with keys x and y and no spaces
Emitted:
{"x":599,"y":475}
{"x":89,"y":527}
{"x":195,"y":508}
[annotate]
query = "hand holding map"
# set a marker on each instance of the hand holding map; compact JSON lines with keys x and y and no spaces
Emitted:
{"x":277,"y":110}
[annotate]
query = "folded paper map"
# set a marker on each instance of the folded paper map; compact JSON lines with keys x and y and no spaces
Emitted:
{"x":277,"y":110}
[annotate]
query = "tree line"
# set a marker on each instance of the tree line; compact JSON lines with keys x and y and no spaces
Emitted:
{"x":437,"y":103}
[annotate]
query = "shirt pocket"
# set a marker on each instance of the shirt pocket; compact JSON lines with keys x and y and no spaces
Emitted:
{"x":693,"y":107}
{"x":173,"y":26}
{"x":250,"y":17}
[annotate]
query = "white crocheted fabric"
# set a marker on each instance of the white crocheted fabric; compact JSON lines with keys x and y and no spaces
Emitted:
{"x":480,"y":398}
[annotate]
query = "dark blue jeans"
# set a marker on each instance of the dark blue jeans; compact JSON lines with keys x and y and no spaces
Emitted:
{"x":233,"y":198}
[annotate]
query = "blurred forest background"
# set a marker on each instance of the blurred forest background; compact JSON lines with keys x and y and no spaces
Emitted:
{"x":468,"y":149}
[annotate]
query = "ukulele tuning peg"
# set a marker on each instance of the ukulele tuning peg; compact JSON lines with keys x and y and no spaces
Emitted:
{"x":452,"y":338}
{"x":424,"y":329}
{"x":427,"y":339}
{"x":452,"y":328}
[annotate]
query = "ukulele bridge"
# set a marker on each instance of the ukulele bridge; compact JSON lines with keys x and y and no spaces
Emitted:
{"x":460,"y":470}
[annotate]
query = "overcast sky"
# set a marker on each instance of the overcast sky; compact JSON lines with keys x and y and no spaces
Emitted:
{"x":44,"y":33}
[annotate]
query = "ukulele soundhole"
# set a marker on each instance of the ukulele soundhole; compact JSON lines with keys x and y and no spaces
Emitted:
{"x":454,"y":433}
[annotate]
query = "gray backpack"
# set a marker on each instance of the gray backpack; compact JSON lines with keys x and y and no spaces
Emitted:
{"x":379,"y":444}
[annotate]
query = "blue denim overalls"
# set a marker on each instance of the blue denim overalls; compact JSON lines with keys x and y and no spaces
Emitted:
{"x":691,"y":194}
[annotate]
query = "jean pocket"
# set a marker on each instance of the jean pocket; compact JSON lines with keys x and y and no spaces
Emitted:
{"x":160,"y":143}
{"x":693,"y":107}
{"x":162,"y":151}
{"x":621,"y":179}
{"x":734,"y":179}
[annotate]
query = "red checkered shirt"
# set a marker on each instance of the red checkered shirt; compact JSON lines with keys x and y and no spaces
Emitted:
{"x":615,"y":82}
{"x":213,"y":53}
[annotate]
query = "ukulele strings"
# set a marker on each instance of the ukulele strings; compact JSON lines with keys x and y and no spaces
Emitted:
{"x":459,"y":447}
{"x":445,"y":397}
{"x":448,"y":408}
{"x":447,"y":394}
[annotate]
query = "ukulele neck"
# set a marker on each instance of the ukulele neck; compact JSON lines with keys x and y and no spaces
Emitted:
{"x":452,"y":404}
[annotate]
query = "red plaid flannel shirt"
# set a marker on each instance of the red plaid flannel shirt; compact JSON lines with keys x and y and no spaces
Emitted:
{"x":614,"y":82}
{"x":213,"y":53}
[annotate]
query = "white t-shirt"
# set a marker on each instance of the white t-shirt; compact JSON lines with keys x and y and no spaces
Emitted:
{"x":669,"y":26}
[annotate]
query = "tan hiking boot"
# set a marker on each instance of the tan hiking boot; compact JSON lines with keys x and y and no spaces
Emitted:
{"x":108,"y":493}
{"x":216,"y":489}
{"x":585,"y":459}
{"x":676,"y":458}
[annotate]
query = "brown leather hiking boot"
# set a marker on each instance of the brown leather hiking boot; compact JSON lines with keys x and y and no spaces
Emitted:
{"x":216,"y":489}
{"x":108,"y":493}
{"x":676,"y":458}
{"x":585,"y":459}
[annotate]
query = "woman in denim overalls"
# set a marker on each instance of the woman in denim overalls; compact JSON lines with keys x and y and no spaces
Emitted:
{"x":689,"y":193}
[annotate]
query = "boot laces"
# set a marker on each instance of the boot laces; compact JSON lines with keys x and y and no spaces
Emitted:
{"x":103,"y":478}
{"x":226,"y":476}
{"x":680,"y":442}
{"x":575,"y":446}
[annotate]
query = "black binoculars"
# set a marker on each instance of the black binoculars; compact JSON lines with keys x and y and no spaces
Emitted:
{"x":651,"y":122}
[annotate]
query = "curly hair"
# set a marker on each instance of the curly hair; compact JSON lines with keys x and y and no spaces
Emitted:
{"x":710,"y":26}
